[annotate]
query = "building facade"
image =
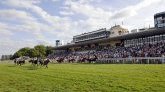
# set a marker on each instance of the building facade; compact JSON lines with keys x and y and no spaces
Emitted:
{"x":159,"y":20}
{"x":145,"y":40}
{"x":98,"y":34}
{"x":118,"y":30}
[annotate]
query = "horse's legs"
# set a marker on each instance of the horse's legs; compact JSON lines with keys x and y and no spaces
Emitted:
{"x":46,"y":66}
{"x":41,"y":65}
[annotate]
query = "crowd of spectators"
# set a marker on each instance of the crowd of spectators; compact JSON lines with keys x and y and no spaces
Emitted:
{"x":143,"y":50}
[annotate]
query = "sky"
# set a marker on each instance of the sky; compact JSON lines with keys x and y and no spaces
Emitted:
{"x":26,"y":23}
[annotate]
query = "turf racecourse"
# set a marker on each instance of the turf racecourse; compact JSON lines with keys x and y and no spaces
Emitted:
{"x":83,"y":78}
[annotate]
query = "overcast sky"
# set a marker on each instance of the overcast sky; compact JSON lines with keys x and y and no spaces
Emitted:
{"x":25,"y":23}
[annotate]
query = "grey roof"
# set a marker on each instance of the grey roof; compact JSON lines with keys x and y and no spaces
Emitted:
{"x":159,"y":13}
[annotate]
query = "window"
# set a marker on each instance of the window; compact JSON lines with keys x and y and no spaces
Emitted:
{"x":163,"y":37}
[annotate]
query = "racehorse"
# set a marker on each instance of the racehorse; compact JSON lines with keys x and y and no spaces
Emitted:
{"x":60,"y":60}
{"x":71,"y":60}
{"x":19,"y":61}
{"x":40,"y":62}
{"x":15,"y":61}
{"x":45,"y":63}
{"x":92,"y":59}
{"x":82,"y":59}
{"x":36,"y":62}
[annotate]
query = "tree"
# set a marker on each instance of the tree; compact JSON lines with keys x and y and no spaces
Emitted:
{"x":21,"y":52}
{"x":38,"y":51}
{"x":41,"y":49}
{"x":16,"y":55}
{"x":49,"y":50}
{"x":33,"y":53}
{"x":24,"y":51}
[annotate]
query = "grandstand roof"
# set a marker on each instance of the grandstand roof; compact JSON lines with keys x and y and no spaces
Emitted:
{"x":149,"y":32}
{"x":159,"y":13}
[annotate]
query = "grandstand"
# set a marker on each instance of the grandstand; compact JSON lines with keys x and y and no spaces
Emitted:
{"x":117,"y":44}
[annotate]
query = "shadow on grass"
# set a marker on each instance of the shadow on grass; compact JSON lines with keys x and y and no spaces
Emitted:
{"x":11,"y":66}
{"x":30,"y":67}
{"x":26,"y":67}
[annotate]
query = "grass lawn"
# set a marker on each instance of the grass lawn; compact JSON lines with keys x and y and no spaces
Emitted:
{"x":83,"y":78}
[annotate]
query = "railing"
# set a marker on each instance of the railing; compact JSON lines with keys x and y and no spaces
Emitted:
{"x":133,"y":60}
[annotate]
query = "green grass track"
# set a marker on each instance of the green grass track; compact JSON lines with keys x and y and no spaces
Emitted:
{"x":83,"y":78}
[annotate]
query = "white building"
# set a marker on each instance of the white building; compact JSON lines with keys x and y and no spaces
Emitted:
{"x":118,"y":30}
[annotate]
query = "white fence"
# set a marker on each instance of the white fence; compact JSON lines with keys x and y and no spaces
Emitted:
{"x":133,"y":60}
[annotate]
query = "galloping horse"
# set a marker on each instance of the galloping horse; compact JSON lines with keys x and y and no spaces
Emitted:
{"x":36,"y":62}
{"x":92,"y":59}
{"x":60,"y":60}
{"x":15,"y":61}
{"x":71,"y":60}
{"x":40,"y":62}
{"x":45,"y":63}
{"x":19,"y":61}
{"x":82,"y":59}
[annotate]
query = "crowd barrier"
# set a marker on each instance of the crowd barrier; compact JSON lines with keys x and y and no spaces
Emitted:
{"x":133,"y":60}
